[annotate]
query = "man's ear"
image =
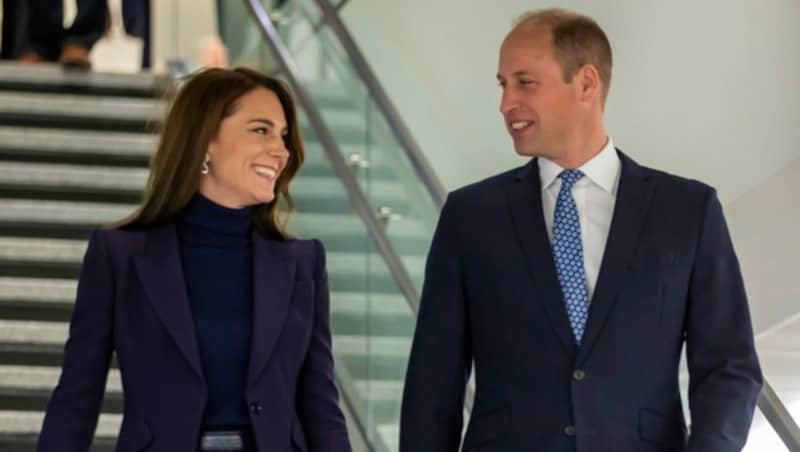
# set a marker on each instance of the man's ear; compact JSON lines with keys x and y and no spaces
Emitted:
{"x":588,"y":82}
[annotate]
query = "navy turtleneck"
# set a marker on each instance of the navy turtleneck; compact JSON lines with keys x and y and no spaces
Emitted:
{"x":216,"y":256}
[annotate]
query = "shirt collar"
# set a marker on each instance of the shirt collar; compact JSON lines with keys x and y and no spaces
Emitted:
{"x":603,"y":169}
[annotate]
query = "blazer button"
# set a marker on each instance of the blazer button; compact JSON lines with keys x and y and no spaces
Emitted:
{"x":579,"y":375}
{"x":256,"y":408}
{"x":569,"y":430}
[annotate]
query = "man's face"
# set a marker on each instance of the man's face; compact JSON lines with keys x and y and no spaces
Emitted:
{"x":541,"y":111}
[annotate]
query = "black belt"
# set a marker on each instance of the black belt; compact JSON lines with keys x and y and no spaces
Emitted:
{"x":227,"y":441}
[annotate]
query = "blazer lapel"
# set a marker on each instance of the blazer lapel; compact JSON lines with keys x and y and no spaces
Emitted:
{"x":160,"y":272}
{"x":273,"y":282}
{"x":633,"y":199}
{"x":525,"y":199}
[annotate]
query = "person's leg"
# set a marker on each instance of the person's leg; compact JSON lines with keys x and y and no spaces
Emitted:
{"x":86,"y":30}
{"x":136,"y":19}
{"x":14,"y":25}
{"x":43,"y":30}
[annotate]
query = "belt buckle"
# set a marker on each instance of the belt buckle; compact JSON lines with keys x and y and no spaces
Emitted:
{"x":221,"y":440}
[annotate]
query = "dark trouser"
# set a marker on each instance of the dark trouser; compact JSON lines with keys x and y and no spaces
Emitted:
{"x":14,"y":19}
{"x":45,"y":30}
{"x":136,"y":17}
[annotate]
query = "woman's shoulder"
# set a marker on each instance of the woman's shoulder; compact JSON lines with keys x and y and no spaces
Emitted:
{"x":308,"y":254}
{"x":302,"y":249}
{"x":121,"y":241}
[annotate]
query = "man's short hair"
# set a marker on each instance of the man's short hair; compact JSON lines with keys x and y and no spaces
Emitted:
{"x":577,"y":40}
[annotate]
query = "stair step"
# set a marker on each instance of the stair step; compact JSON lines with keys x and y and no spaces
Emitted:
{"x":28,"y":422}
{"x":33,"y":144}
{"x":71,"y":182}
{"x":80,"y":112}
{"x":331,"y":96}
{"x":381,"y":398}
{"x":28,"y":388}
{"x":31,"y":354}
{"x":60,"y":213}
{"x":53,"y":78}
{"x":36,"y":400}
{"x":27,"y":443}
{"x":30,"y":332}
{"x":381,"y":390}
{"x":352,"y":345}
{"x":36,"y":377}
{"x":37,"y":290}
{"x":390,"y":435}
{"x":37,"y":299}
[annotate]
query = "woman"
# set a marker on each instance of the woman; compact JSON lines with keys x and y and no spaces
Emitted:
{"x":218,"y":318}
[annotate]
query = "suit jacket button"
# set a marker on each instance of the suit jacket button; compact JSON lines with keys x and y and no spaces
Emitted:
{"x":579,"y":375}
{"x":256,"y":408}
{"x":569,"y":430}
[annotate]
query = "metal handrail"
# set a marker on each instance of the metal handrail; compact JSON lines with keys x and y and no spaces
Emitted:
{"x":778,"y":416}
{"x":341,"y":4}
{"x":339,"y":164}
{"x":420,"y":164}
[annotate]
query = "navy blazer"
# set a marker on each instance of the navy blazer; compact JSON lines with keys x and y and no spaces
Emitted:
{"x":132,"y":300}
{"x":669,"y":274}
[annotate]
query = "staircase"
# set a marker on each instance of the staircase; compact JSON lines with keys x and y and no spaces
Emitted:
{"x":73,"y":157}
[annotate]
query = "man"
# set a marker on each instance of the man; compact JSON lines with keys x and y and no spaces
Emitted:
{"x":573,"y":282}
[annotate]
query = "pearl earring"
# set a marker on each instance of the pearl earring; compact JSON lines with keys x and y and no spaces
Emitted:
{"x":204,"y":168}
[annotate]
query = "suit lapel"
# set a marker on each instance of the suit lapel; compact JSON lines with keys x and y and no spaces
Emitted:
{"x":273,"y":282}
{"x":633,"y":199}
{"x":160,"y":272}
{"x":525,"y":200}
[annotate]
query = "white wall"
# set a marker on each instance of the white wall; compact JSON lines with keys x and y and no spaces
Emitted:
{"x":764,"y":224}
{"x":179,"y":28}
{"x":706,"y":89}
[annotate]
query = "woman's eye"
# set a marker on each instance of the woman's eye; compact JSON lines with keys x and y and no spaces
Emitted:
{"x":261,"y":130}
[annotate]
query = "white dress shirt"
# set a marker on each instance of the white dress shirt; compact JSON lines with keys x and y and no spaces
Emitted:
{"x":595,"y":195}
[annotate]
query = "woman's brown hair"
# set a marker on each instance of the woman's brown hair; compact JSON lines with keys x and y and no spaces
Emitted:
{"x":193,"y":120}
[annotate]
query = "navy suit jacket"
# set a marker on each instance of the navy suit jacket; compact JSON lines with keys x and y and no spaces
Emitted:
{"x":669,"y":274}
{"x":132,"y":300}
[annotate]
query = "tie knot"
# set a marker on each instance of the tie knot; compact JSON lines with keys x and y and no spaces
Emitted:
{"x":569,"y":177}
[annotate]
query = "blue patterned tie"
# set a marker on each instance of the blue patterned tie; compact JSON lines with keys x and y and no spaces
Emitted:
{"x":568,"y":253}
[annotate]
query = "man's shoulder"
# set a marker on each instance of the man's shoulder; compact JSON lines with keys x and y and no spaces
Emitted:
{"x":672,"y":185}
